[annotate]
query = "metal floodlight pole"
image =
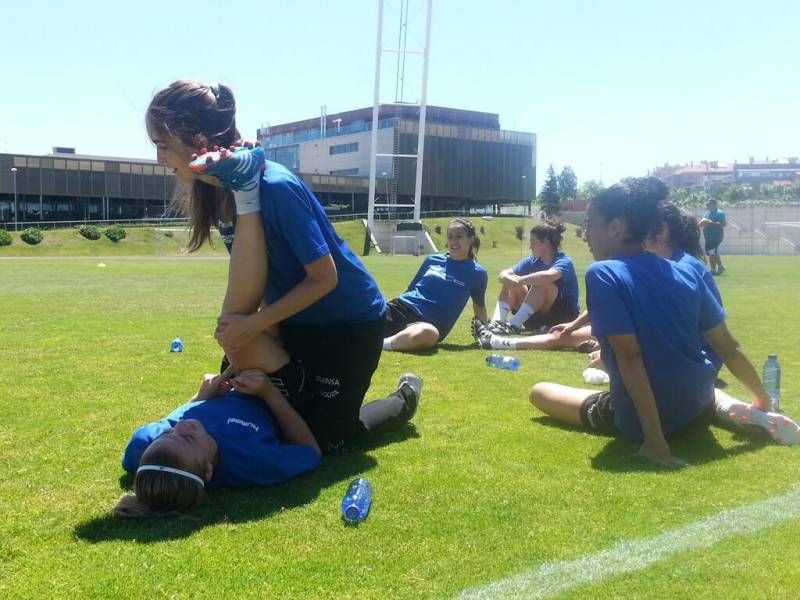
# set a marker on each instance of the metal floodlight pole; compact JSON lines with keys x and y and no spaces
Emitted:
{"x":16,"y":218}
{"x":375,"y":108}
{"x":422,"y":110}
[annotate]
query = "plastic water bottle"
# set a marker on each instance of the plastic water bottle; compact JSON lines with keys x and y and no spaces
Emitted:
{"x":498,"y":361}
{"x":357,"y":500}
{"x":771,"y":377}
{"x":176,"y":345}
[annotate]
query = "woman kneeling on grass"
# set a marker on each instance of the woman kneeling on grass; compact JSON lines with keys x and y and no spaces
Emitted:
{"x":290,"y":274}
{"x":424,"y":314}
{"x":650,"y":315}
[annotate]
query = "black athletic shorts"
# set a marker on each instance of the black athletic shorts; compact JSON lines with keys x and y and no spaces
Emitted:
{"x":329,"y":374}
{"x":560,"y":312}
{"x":398,"y":316}
{"x":712,"y":248}
{"x":598,"y":414}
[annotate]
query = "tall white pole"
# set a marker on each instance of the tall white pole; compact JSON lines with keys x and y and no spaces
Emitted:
{"x":375,"y":108}
{"x":16,"y":217}
{"x":422,"y":107}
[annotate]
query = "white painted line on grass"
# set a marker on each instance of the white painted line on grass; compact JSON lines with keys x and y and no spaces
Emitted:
{"x":557,"y":577}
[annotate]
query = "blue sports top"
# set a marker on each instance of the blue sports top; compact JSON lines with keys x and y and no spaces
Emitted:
{"x":441,"y":287}
{"x":700,"y":268}
{"x":667,"y":306}
{"x":567,"y":284}
{"x":298,"y":232}
{"x":250,"y":451}
{"x":712,"y":233}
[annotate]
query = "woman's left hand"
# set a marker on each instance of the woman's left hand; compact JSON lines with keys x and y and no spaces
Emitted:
{"x":234,"y":332}
{"x":213,"y":385}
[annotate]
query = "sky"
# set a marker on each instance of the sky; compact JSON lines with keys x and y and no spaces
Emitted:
{"x":611,"y":89}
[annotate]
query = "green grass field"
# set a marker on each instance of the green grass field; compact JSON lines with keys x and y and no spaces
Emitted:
{"x":481,"y":488}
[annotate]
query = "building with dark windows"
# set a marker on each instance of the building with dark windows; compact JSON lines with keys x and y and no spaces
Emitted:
{"x":469,"y":162}
{"x":65,"y":186}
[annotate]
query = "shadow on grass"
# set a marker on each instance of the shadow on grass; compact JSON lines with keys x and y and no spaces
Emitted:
{"x":695,"y":444}
{"x":240,"y":505}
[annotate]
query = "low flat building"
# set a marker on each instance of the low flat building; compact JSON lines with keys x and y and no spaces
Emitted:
{"x":65,"y":186}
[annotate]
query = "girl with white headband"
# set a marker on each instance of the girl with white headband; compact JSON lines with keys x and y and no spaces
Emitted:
{"x":232,"y":433}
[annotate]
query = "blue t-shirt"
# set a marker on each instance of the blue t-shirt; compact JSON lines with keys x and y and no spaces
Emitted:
{"x":298,"y":232}
{"x":567,"y":284}
{"x":250,"y":451}
{"x":441,"y":287}
{"x":700,"y":268}
{"x":712,"y":233}
{"x":667,"y":306}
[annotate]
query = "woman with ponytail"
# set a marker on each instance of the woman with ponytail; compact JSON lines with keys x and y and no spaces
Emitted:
{"x":424,"y":314}
{"x":290,"y":274}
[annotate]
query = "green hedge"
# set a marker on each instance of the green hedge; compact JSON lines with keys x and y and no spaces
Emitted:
{"x":32,"y":235}
{"x":90,"y":232}
{"x":116,"y":233}
{"x":5,"y":238}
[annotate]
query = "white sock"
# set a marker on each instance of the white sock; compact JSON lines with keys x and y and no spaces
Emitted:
{"x":523,"y":314}
{"x":500,"y":311}
{"x":387,"y":344}
{"x":499,"y":342}
{"x":247,"y":202}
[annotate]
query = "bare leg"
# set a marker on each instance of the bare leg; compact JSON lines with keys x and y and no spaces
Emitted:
{"x":263,"y":353}
{"x":541,"y":297}
{"x":417,"y":336}
{"x":554,"y":341}
{"x":513,"y":295}
{"x":247,"y":271}
{"x":561,"y":402}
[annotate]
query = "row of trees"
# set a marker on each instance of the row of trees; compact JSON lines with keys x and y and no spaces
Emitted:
{"x":564,"y":187}
{"x":731,"y":195}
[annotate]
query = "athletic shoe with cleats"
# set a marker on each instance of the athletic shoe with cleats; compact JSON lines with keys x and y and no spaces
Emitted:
{"x":236,"y":167}
{"x":780,"y":428}
{"x":412,"y":383}
{"x":503,"y":328}
{"x":481,"y":335}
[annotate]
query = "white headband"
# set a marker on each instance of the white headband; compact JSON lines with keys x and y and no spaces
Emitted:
{"x":172,"y":470}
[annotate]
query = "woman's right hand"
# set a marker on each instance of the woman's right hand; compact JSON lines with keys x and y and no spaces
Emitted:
{"x":251,"y":381}
{"x":563,"y":328}
{"x":658,"y":452}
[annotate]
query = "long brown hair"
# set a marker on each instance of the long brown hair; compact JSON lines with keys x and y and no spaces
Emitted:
{"x":197,"y":115}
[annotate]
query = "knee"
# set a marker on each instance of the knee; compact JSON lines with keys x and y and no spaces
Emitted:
{"x":538,"y":392}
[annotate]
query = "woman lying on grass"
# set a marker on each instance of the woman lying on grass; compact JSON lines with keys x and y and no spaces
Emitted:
{"x":650,"y":316}
{"x":232,"y":433}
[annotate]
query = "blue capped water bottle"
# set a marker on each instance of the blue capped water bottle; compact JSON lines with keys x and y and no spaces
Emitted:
{"x":356,"y":502}
{"x":498,"y":361}
{"x":771,"y":377}
{"x":176,"y":345}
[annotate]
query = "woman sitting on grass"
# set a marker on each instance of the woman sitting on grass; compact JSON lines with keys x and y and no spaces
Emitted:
{"x":650,"y":316}
{"x":424,"y":314}
{"x":541,"y":289}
